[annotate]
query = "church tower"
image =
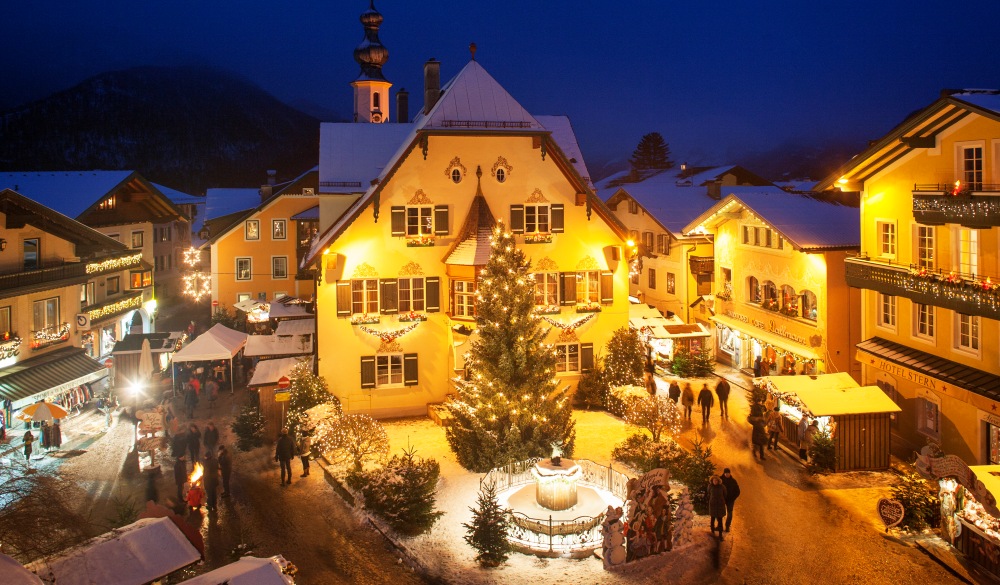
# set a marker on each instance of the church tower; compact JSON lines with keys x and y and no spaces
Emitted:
{"x":371,"y":89}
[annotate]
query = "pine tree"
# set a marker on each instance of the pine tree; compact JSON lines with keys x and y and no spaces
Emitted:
{"x":403,"y":492}
{"x":703,"y":362}
{"x":651,"y":153}
{"x":305,"y":391}
{"x":487,"y":533}
{"x":626,"y":357}
{"x":510,"y":408}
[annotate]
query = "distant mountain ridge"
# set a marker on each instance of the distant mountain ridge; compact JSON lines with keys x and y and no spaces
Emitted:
{"x":190,"y":128}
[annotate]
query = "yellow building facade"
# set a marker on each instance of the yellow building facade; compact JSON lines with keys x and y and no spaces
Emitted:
{"x":396,"y":301}
{"x":930,"y":317}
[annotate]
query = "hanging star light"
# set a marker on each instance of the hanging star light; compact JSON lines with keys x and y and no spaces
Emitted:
{"x":197,"y":285}
{"x":192,"y":256}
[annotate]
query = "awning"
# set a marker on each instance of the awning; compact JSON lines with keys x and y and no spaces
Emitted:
{"x":218,"y":343}
{"x":296,"y":327}
{"x":767,"y":337}
{"x":268,"y":372}
{"x":47,"y":375}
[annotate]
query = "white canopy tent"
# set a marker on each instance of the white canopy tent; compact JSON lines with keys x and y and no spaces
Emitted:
{"x":218,"y":343}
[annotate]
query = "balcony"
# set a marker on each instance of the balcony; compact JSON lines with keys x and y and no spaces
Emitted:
{"x":938,"y":204}
{"x":61,"y":274}
{"x":963,"y":293}
{"x":702,"y":264}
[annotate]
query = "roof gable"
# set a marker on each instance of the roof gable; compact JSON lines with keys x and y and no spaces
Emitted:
{"x":473,"y":99}
{"x":68,"y":192}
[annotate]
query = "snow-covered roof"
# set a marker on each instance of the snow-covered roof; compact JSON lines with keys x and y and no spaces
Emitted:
{"x":834,"y":394}
{"x":473,"y":99}
{"x":801,"y":186}
{"x":224,"y":201}
{"x":351,"y":155}
{"x":68,"y":192}
{"x":246,"y":571}
{"x":805,"y":222}
{"x":268,"y":372}
{"x":262,"y":345}
{"x":472,"y":244}
{"x":295,"y":327}
{"x":562,"y":133}
{"x":179,"y":197}
{"x":988,"y":99}
{"x":286,"y":307}
{"x":14,"y":573}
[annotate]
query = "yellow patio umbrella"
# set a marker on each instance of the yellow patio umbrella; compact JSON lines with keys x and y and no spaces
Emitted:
{"x":40,"y":411}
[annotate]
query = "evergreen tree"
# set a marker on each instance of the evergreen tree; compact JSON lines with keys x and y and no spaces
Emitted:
{"x":487,"y":533}
{"x":305,"y":391}
{"x":509,"y":409}
{"x":248,"y":426}
{"x":703,"y":363}
{"x":651,"y":153}
{"x":626,"y":358}
{"x":403,"y":492}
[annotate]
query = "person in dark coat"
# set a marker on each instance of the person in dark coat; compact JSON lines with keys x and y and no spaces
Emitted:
{"x":194,"y":443}
{"x":687,"y":399}
{"x":180,"y":476}
{"x":284,"y":450}
{"x":210,"y":437}
{"x":756,"y":367}
{"x":706,"y":401}
{"x":732,"y":492}
{"x":716,"y":503}
{"x":211,"y":479}
{"x":56,"y":434}
{"x":759,"y":435}
{"x":226,"y":468}
{"x":151,"y":492}
{"x":190,"y":400}
{"x":722,"y":391}
{"x":674,"y":392}
{"x":179,"y":444}
{"x":28,"y":440}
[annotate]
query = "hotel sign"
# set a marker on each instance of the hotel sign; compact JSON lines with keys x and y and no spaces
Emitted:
{"x":770,"y":327}
{"x":899,"y":371}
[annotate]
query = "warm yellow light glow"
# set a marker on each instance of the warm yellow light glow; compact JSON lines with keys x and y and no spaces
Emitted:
{"x":630,"y":243}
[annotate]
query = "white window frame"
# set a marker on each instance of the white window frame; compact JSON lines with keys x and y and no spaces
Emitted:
{"x":671,"y":283}
{"x":966,"y":243}
{"x":887,"y":238}
{"x":968,"y":332}
{"x":887,"y":311}
{"x":284,"y":229}
{"x":419,"y":221}
{"x":975,"y":183}
{"x":546,"y":289}
{"x":537,"y":218}
{"x":251,"y":234}
{"x":389,"y":370}
{"x":364,"y":296}
{"x":45,"y":325}
{"x":274,"y":267}
{"x":249,"y":268}
{"x":240,"y":297}
{"x":566,"y":361}
{"x":924,"y":322}
{"x":652,"y":278}
{"x":142,"y":239}
{"x":662,"y":242}
{"x":588,"y":286}
{"x":117,"y":287}
{"x":464,"y":298}
{"x":413,"y":291}
{"x":924,"y":246}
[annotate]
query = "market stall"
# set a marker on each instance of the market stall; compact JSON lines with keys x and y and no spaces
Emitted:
{"x":970,"y":519}
{"x":249,"y":571}
{"x":664,"y":335}
{"x":266,"y":376}
{"x":126,"y":353}
{"x":858,"y":418}
{"x":218,"y":343}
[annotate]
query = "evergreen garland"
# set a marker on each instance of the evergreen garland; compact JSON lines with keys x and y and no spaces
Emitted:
{"x":509,"y":409}
{"x":487,"y":533}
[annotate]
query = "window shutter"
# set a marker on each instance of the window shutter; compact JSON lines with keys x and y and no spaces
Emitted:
{"x":432,"y":294}
{"x":558,"y":218}
{"x":409,"y":369}
{"x":441,"y":220}
{"x":343,"y":298}
{"x":567,"y":288}
{"x":398,"y":213}
{"x":517,"y":219}
{"x":607,"y":288}
{"x":586,"y":357}
{"x":367,"y":371}
{"x":389,"y":297}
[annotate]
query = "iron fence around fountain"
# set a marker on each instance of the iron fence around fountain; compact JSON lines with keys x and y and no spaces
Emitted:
{"x":594,"y":474}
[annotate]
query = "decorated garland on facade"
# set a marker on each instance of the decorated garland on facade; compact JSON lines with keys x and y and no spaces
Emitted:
{"x":387,"y":339}
{"x":569,"y":327}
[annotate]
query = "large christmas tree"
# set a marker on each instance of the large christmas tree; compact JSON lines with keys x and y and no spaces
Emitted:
{"x":509,"y":409}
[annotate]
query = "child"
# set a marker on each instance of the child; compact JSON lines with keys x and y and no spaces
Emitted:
{"x":195,"y":496}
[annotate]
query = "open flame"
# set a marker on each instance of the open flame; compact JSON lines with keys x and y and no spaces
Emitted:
{"x":197,"y":473}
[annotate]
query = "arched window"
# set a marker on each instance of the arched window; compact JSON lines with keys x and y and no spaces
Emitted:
{"x":753,"y":290}
{"x":789,"y":302}
{"x":770,"y":300}
{"x":808,"y":305}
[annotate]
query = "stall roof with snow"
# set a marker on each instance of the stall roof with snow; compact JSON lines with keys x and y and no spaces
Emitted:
{"x":139,"y":553}
{"x":642,"y":315}
{"x":296,"y":327}
{"x":246,"y":571}
{"x":268,"y":372}
{"x":834,"y":394}
{"x":286,"y":307}
{"x":279,"y":345}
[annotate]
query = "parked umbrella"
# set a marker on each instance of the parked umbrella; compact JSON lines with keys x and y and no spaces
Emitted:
{"x":145,"y":362}
{"x":40,"y":411}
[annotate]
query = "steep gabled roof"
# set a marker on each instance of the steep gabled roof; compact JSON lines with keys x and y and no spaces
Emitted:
{"x":808,"y":224}
{"x":472,"y":244}
{"x":473,"y":99}
{"x":351,"y":155}
{"x":21,"y":210}
{"x":919,"y":130}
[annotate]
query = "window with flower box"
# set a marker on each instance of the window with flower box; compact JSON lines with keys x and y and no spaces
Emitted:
{"x":411,"y":294}
{"x":364,"y":296}
{"x":547,"y":291}
{"x":45,"y":314}
{"x":537,"y":219}
{"x":587,"y":289}
{"x":419,"y":222}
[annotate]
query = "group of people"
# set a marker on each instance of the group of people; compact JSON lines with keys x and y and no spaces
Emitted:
{"x":768,"y":428}
{"x":722,"y":493}
{"x":194,"y":390}
{"x":705,"y":399}
{"x":285,"y":450}
{"x":217,"y":464}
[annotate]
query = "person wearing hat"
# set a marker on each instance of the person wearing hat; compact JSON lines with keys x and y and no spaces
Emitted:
{"x":732,"y":492}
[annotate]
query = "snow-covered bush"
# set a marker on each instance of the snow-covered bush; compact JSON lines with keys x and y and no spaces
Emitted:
{"x":692,"y":468}
{"x":402,"y":493}
{"x":350,"y":439}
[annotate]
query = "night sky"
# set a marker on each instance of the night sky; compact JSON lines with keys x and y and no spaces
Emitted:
{"x":720,"y":79}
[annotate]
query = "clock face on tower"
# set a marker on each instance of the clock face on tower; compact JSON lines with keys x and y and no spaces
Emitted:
{"x":376,"y":117}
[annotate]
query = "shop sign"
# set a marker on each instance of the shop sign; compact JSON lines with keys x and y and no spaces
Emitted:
{"x":770,"y":326}
{"x":890,"y":511}
{"x":989,"y":418}
{"x":897,"y":370}
{"x":953,"y":466}
{"x":149,"y":444}
{"x":150,"y":421}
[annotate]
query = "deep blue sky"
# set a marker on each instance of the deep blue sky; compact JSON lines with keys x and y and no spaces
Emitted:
{"x":720,"y":79}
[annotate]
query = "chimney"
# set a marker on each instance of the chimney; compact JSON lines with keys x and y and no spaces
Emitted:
{"x":271,"y":174}
{"x":402,"y":106}
{"x":268,"y":189}
{"x":432,"y":84}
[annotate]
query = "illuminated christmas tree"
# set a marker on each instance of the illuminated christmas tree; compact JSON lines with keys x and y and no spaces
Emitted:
{"x":509,"y":408}
{"x":306,"y":391}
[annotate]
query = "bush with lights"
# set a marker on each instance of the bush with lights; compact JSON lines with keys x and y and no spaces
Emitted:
{"x":401,"y":492}
{"x":656,"y":415}
{"x":349,"y":439}
{"x":626,"y":358}
{"x":509,"y":408}
{"x":306,"y":390}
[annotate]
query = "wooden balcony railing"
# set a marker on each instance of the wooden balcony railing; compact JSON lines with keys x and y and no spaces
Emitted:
{"x":975,"y":205}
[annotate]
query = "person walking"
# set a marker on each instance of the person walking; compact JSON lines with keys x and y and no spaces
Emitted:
{"x":649,"y":376}
{"x":29,"y":439}
{"x":211,"y":479}
{"x":722,"y":391}
{"x":674,"y":391}
{"x":194,"y":443}
{"x":716,"y":503}
{"x":210,"y":438}
{"x":774,"y":427}
{"x":808,"y":439}
{"x":180,"y":476}
{"x":706,"y":401}
{"x":190,"y":400}
{"x":687,"y":400}
{"x":284,"y":450}
{"x":305,"y":450}
{"x":758,"y":435}
{"x":212,"y":390}
{"x":732,"y":492}
{"x":226,"y":468}
{"x":179,"y":444}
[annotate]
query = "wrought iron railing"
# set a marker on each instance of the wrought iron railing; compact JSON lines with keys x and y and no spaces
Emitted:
{"x":942,"y":187}
{"x":968,"y":294}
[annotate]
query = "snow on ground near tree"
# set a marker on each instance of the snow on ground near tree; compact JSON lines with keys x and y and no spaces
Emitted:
{"x":445,"y":555}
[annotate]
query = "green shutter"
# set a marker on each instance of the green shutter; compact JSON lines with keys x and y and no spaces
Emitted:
{"x":409,"y":369}
{"x":398,"y":213}
{"x":607,"y":288}
{"x":441,"y":220}
{"x":558,"y":218}
{"x":389,"y":296}
{"x":517,"y":219}
{"x":367,"y":371}
{"x":586,"y":357}
{"x":567,"y":288}
{"x":343,"y":298}
{"x":432,"y":294}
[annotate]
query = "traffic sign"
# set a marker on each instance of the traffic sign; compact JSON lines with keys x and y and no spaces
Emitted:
{"x":281,"y":396}
{"x":284,"y":382}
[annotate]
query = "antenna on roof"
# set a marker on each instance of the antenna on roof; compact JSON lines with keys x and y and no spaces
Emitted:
{"x":472,"y":49}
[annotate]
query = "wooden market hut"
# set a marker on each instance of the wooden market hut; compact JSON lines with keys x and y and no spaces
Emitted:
{"x":265,"y":381}
{"x":126,"y":353}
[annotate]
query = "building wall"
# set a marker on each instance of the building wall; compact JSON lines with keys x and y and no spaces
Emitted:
{"x":887,"y":197}
{"x":367,"y":249}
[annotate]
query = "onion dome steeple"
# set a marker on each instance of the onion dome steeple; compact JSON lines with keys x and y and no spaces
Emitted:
{"x":371,"y":54}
